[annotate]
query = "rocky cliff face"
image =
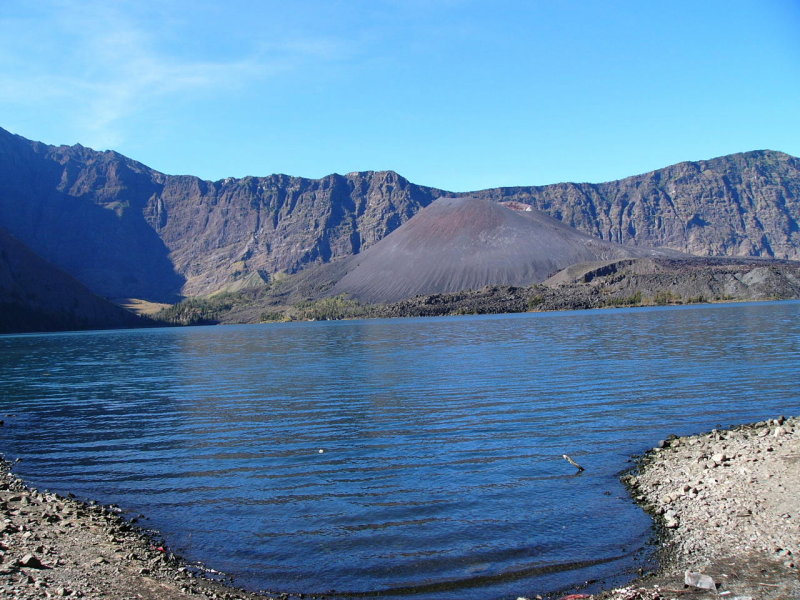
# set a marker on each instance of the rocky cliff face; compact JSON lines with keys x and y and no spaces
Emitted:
{"x":83,"y":211}
{"x":126,"y":230}
{"x":221,"y":231}
{"x":739,"y":205}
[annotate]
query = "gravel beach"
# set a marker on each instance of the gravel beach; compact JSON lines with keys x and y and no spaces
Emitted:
{"x":56,"y":547}
{"x":726,"y":506}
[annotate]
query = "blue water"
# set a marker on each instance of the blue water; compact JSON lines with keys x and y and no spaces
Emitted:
{"x":440,"y":474}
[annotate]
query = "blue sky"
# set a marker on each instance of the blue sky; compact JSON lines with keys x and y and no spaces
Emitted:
{"x":456,"y":94}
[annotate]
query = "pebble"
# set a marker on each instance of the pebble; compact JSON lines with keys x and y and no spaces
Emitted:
{"x":740,"y":483}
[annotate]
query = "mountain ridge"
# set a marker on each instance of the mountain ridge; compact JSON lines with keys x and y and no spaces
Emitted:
{"x":126,"y":230}
{"x":687,"y":193}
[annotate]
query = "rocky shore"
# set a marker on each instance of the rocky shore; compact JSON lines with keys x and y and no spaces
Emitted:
{"x":726,"y":506}
{"x":56,"y":547}
{"x":727,"y":511}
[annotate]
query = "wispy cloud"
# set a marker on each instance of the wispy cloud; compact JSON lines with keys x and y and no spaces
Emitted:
{"x":101,"y":64}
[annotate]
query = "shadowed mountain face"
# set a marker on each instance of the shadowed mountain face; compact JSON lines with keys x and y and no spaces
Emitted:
{"x":463,"y":243}
{"x":126,"y":230}
{"x":36,"y":296}
{"x":85,"y":212}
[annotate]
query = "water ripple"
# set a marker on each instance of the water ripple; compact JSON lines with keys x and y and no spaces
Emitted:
{"x":440,"y":473}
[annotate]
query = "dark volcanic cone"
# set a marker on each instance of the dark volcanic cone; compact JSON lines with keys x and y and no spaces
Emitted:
{"x":458,"y":244}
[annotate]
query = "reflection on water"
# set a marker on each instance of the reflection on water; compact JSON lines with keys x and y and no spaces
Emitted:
{"x":406,"y":456}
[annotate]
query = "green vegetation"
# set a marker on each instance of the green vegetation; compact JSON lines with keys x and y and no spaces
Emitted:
{"x":534,"y":302}
{"x":336,"y":308}
{"x":634,"y":299}
{"x":272,"y":316}
{"x":666,"y":297}
{"x":328,"y":309}
{"x":204,"y":310}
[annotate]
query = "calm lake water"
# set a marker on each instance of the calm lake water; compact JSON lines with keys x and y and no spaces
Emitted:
{"x":407,"y":457}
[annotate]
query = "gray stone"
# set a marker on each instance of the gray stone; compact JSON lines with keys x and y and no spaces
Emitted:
{"x":699,"y":580}
{"x":30,"y":561}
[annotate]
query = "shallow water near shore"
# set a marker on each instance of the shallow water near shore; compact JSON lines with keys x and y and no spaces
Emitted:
{"x":405,"y":457}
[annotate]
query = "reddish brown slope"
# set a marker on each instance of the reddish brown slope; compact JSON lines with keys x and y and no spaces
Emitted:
{"x":467,"y":243}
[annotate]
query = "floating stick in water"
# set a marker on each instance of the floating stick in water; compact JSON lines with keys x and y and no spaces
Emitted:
{"x":572,"y":462}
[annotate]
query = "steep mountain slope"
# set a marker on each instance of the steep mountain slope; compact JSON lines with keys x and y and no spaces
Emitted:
{"x":84,"y":211}
{"x":36,"y":296}
{"x":221,"y":231}
{"x":738,"y":205}
{"x":457,"y":244}
{"x":126,"y":230}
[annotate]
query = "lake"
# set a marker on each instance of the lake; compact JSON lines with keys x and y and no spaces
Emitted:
{"x":405,"y":457}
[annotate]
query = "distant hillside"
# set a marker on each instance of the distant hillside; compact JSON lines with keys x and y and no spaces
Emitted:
{"x":126,"y":230}
{"x":36,"y":296}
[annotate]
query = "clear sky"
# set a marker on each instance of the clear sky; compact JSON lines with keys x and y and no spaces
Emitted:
{"x":456,"y":94}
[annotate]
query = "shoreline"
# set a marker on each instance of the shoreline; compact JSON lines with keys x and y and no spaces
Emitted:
{"x":53,"y":546}
{"x":725,"y":504}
